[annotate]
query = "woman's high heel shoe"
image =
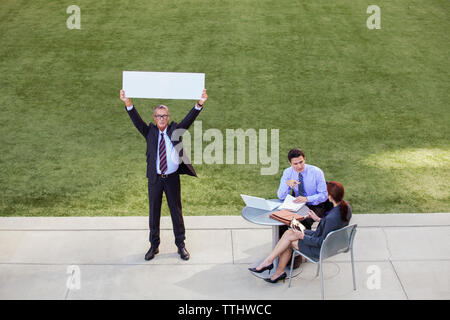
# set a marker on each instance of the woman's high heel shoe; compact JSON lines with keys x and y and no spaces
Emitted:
{"x":281,"y":277}
{"x":269,"y":267}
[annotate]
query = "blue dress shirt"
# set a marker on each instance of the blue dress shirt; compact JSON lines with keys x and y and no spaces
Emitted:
{"x":314,"y":184}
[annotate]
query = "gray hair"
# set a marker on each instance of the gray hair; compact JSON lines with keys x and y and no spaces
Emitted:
{"x":160,"y":106}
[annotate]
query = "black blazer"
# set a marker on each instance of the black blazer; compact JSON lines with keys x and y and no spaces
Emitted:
{"x":150,"y":133}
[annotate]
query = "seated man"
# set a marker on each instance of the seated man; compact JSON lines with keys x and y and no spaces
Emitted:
{"x":308,"y":183}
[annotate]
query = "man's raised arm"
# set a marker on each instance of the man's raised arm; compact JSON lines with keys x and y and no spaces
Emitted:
{"x":134,"y":115}
{"x":190,"y":117}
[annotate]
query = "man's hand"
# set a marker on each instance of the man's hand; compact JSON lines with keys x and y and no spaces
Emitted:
{"x":202,"y":99}
{"x":292,"y":183}
{"x":300,"y":199}
{"x":126,"y":100}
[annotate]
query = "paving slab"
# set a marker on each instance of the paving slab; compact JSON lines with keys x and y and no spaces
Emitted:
{"x":227,"y":281}
{"x":401,"y":219}
{"x":39,"y":256}
{"x":33,"y":281}
{"x":419,"y":243}
{"x":252,"y":245}
{"x":425,"y":279}
{"x":122,"y":223}
{"x":370,"y":244}
{"x":110,"y":247}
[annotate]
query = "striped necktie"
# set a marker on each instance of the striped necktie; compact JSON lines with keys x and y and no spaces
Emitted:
{"x":301,"y":189}
{"x":162,"y":155}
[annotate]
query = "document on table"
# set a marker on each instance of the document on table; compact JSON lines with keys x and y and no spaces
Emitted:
{"x":289,"y":204}
{"x":163,"y":85}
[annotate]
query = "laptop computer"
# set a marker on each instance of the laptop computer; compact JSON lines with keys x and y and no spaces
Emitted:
{"x":260,"y":203}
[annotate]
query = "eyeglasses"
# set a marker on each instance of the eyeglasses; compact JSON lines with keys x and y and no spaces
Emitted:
{"x":163,"y":117}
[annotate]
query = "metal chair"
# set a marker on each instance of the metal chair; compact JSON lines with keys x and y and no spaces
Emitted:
{"x":338,"y":241}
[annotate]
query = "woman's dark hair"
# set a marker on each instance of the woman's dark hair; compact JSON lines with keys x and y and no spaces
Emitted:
{"x":336,"y":191}
{"x":295,"y":153}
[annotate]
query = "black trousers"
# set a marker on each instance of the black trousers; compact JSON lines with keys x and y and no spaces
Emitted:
{"x":171,"y":187}
{"x":319,"y":209}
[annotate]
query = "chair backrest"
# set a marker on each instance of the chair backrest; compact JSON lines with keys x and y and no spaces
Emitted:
{"x":338,"y":241}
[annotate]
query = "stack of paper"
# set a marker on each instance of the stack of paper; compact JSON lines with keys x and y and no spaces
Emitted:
{"x":289,"y":204}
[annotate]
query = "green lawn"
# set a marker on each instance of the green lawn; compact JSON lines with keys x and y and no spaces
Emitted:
{"x":369,"y":107}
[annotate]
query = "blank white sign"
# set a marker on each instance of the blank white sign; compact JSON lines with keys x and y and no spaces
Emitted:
{"x":163,"y":85}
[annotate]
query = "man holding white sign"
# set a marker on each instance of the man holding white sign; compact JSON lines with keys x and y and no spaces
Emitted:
{"x":165,"y":162}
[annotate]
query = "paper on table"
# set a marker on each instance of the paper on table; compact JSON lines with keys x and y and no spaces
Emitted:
{"x":163,"y":85}
{"x":289,"y":204}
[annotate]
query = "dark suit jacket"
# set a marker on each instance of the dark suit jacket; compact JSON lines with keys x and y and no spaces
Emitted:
{"x":150,"y":133}
{"x":331,"y":222}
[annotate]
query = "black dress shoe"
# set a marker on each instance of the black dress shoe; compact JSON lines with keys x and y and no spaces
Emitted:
{"x":184,"y":254}
{"x":151,"y":253}
{"x":269,"y":267}
{"x":281,"y":277}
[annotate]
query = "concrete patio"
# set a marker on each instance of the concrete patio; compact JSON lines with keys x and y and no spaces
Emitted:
{"x":397,"y":256}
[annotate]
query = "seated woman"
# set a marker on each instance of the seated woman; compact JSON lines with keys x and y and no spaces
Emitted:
{"x":310,"y":242}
